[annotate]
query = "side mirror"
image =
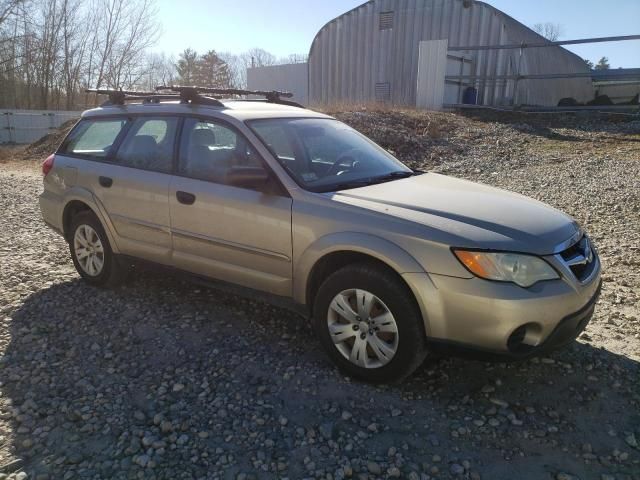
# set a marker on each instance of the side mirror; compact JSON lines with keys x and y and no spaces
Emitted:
{"x":247,"y":177}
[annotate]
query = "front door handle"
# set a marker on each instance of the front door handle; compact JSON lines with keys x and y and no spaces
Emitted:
{"x":106,"y":182}
{"x":186,"y":198}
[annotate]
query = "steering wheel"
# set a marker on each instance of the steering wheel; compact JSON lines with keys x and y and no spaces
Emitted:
{"x":350,"y":157}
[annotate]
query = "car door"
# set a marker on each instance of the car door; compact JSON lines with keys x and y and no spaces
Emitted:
{"x":239,"y":235}
{"x":134,"y":187}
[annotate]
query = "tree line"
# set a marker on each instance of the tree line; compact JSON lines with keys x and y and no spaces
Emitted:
{"x":51,"y":51}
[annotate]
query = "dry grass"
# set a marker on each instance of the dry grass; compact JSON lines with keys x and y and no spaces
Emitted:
{"x":11,"y":153}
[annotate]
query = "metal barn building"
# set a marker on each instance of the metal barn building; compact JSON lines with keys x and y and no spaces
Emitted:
{"x":380,"y":51}
{"x":406,"y":52}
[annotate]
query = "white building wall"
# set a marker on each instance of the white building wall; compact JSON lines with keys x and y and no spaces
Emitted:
{"x":292,"y":78}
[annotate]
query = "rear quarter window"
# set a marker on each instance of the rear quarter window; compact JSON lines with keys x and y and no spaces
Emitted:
{"x":93,"y":138}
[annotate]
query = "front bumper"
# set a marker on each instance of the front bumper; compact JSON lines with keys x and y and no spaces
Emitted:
{"x":502,"y":318}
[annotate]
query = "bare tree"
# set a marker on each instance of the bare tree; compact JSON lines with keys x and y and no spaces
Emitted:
{"x":551,"y":31}
{"x":122,"y":63}
{"x":161,"y":70}
{"x":296,"y":58}
{"x":51,"y":49}
{"x":257,"y":57}
{"x":75,"y":38}
{"x":237,"y":69}
{"x":49,"y":22}
{"x":8,"y":8}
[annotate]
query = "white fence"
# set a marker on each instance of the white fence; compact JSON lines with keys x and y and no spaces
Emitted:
{"x":27,"y":126}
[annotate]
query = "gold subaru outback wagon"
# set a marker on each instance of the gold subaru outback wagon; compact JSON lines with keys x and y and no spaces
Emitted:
{"x":388,"y":263}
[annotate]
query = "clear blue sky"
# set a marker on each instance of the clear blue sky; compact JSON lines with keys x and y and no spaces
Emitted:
{"x":288,"y":26}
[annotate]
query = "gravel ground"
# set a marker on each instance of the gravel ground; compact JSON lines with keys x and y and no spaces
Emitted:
{"x":165,"y":379}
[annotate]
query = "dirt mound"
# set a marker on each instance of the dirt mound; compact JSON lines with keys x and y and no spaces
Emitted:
{"x":417,"y":138}
{"x":48,"y":144}
{"x":428,"y":140}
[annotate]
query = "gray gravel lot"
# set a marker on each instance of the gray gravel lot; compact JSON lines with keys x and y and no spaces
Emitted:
{"x":166,"y":379}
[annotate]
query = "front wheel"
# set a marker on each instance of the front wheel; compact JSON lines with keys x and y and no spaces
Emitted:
{"x":369,"y":324}
{"x":91,"y":252}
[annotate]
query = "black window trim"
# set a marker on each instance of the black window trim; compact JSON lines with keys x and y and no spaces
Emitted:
{"x":109,"y":159}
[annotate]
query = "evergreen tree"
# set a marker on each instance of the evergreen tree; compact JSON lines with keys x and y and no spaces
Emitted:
{"x":603,"y":64}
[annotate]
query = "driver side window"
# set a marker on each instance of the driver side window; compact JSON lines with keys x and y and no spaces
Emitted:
{"x":209,"y":150}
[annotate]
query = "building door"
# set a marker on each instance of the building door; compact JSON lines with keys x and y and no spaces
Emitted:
{"x":432,"y":69}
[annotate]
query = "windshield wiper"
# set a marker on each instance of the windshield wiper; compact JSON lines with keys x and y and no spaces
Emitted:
{"x":364,"y":182}
{"x":392,"y":176}
{"x":348,"y":185}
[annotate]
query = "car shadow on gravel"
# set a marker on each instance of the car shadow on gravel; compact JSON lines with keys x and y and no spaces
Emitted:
{"x":165,"y":376}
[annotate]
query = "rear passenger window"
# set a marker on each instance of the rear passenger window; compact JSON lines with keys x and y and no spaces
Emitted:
{"x":93,"y":138}
{"x":149,"y":144}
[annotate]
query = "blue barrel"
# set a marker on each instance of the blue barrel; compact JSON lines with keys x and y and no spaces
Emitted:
{"x":470,"y":96}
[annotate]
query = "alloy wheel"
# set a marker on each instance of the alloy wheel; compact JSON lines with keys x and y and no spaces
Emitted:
{"x":362,"y":328}
{"x":89,"y":250}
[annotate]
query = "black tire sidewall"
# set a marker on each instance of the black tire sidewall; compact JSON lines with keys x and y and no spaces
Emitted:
{"x":109,"y":269}
{"x":395,"y":295}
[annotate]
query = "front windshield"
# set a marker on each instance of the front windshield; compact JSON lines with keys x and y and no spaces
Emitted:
{"x":325,"y":155}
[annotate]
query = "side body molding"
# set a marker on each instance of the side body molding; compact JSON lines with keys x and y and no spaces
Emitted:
{"x":376,"y":247}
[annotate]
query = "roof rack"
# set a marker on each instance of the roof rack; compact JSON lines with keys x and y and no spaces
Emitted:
{"x":120,"y":97}
{"x":272,"y":96}
{"x":193,"y":95}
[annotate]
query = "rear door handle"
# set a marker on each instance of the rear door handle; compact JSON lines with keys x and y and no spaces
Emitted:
{"x":106,"y":182}
{"x":186,"y":198}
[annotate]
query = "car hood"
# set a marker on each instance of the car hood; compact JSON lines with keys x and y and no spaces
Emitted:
{"x":471,"y":214}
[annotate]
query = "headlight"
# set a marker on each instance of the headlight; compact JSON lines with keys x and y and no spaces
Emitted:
{"x":523,"y":270}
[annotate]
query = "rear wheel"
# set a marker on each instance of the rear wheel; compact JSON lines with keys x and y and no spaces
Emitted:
{"x":369,"y":323}
{"x":91,"y":252}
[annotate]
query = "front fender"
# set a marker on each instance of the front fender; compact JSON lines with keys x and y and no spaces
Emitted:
{"x":376,"y":247}
{"x":83,"y":195}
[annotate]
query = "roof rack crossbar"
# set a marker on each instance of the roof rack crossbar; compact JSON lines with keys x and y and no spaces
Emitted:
{"x":119,"y":97}
{"x":190,"y":94}
{"x":271,"y":96}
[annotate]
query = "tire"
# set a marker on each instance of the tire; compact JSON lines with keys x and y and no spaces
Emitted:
{"x":106,"y":270}
{"x":401,"y":353}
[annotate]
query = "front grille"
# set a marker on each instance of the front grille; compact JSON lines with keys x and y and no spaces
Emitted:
{"x":580,"y":258}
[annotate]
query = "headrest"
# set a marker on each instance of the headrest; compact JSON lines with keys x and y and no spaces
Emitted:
{"x":203,"y":137}
{"x":143,"y":143}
